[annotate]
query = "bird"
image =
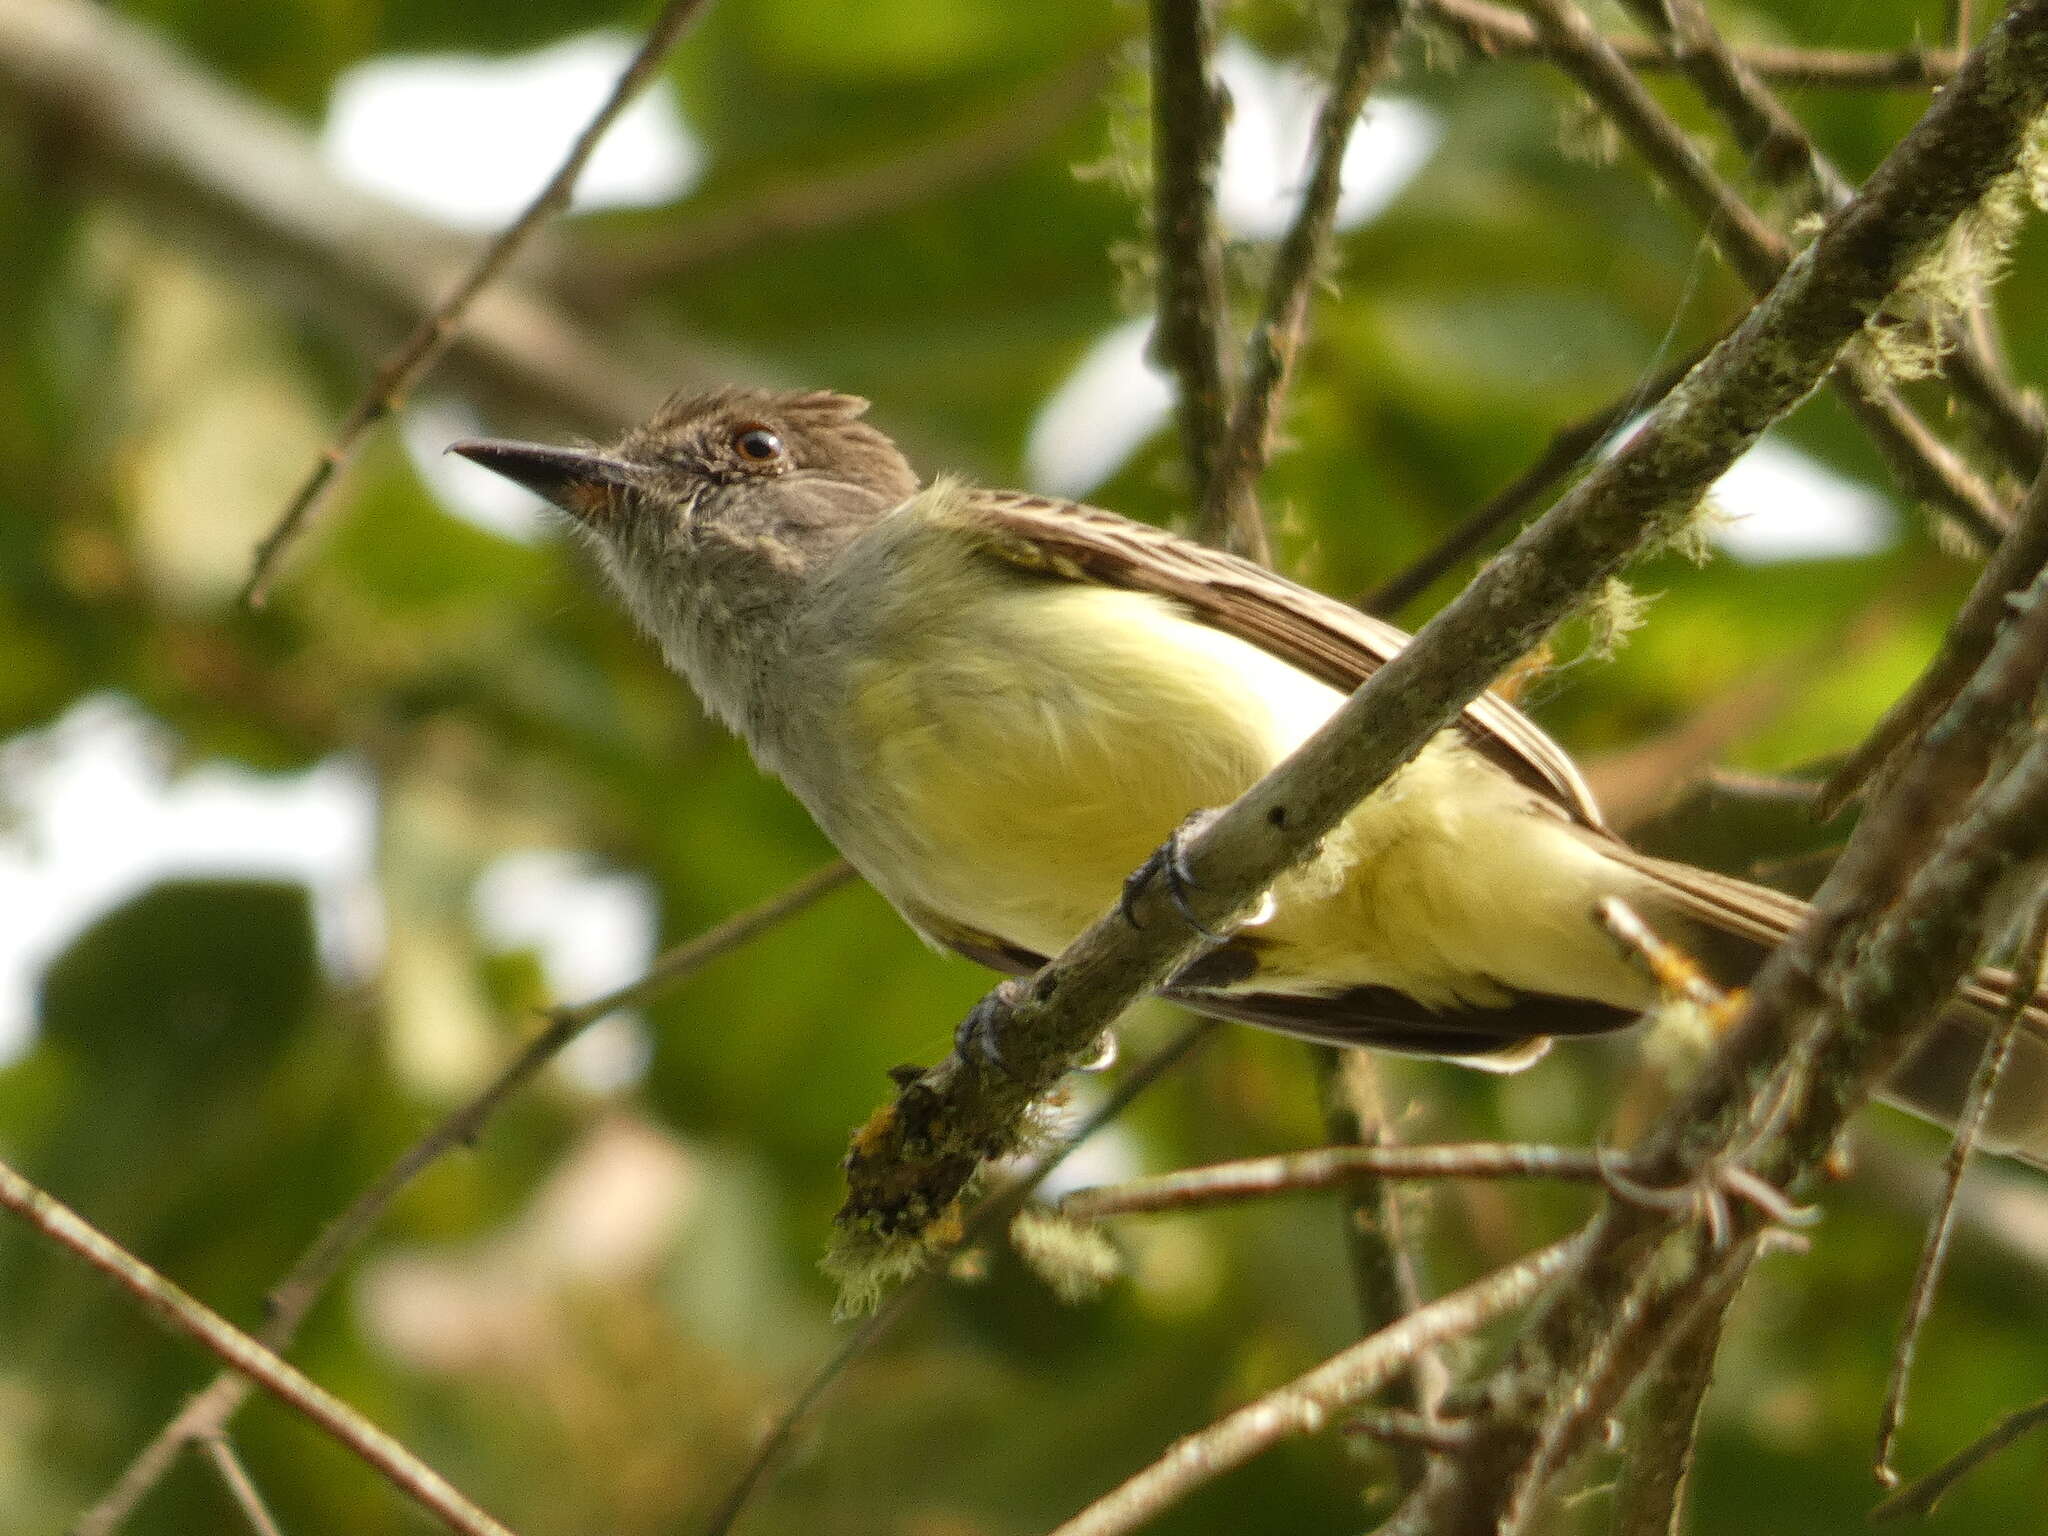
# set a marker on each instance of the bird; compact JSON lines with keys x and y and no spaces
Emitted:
{"x":998,"y":705}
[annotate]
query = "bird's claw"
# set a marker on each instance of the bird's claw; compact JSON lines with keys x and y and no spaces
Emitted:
{"x":975,"y":1039}
{"x":1709,"y":1195}
{"x":1170,"y":860}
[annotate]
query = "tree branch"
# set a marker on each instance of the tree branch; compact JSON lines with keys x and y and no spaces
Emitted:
{"x":1292,"y":1173}
{"x":1919,"y":1499}
{"x":241,"y":1487}
{"x":430,"y":338}
{"x":910,"y":1163}
{"x":1495,"y":29}
{"x":2018,"y":559}
{"x":181,"y":1314}
{"x":1307,"y":1404}
{"x":1783,"y":152}
{"x":993,"y":1215}
{"x":1229,"y":505}
{"x":2027,"y":977}
{"x":207,"y":1412}
{"x":1931,"y":471}
{"x":1832,"y":1014}
{"x":1188,"y":107}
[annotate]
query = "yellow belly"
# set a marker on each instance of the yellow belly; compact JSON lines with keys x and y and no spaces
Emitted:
{"x":1025,"y":756}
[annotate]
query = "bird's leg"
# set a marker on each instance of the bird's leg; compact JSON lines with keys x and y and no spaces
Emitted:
{"x":1170,"y":860}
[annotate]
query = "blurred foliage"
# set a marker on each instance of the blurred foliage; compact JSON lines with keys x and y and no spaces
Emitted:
{"x":585,"y":1320}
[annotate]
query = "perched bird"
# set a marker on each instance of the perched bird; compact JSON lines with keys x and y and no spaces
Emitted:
{"x":998,"y":705}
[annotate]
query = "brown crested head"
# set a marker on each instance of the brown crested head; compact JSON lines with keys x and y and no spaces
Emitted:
{"x":735,"y":456}
{"x":734,"y":435}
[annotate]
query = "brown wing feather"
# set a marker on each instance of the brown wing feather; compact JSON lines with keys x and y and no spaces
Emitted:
{"x":1329,"y":640}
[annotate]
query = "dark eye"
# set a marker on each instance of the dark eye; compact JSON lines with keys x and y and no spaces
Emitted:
{"x":756,"y":444}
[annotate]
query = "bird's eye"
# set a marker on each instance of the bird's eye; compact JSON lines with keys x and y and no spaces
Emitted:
{"x":756,"y":444}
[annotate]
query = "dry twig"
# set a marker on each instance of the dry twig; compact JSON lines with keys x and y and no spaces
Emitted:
{"x":423,"y":348}
{"x":1932,"y":472}
{"x":1309,"y":1403}
{"x":181,"y":1314}
{"x":1229,"y":505}
{"x":1919,"y":1498}
{"x":206,"y":1413}
{"x":241,"y":1487}
{"x":2026,"y":980}
{"x":1495,"y":29}
{"x":1290,"y":1173}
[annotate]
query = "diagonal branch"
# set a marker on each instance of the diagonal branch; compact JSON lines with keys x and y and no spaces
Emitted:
{"x":1311,"y":1401}
{"x":1784,"y":153}
{"x":1969,"y":639}
{"x":1931,"y":471}
{"x":181,"y":1314}
{"x":909,"y":1164}
{"x":431,"y":337}
{"x":207,"y":1412}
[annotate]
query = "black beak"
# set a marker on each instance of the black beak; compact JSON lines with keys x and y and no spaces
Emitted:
{"x":584,"y":484}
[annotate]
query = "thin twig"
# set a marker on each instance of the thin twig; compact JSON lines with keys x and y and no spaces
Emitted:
{"x":2026,"y":981}
{"x":1394,"y":1426}
{"x":1782,"y":151}
{"x":182,"y":1314}
{"x":1494,"y":29}
{"x":993,"y":1214}
{"x":1188,"y":108}
{"x":909,"y":1163}
{"x":1931,"y":471}
{"x":2018,"y":559}
{"x":1309,"y":1403}
{"x":1919,"y":1498}
{"x":423,"y":348}
{"x":1292,"y":1173}
{"x":1230,"y":503}
{"x":208,"y":1411}
{"x":1568,"y":447}
{"x":1376,"y":1241}
{"x":241,"y":1487}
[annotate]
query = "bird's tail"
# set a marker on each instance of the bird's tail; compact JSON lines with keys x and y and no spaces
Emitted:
{"x":1743,"y":923}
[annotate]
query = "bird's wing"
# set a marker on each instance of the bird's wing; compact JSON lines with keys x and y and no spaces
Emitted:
{"x":1325,"y":638}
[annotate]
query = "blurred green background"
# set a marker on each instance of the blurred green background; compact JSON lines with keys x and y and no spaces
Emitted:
{"x":282,"y":888}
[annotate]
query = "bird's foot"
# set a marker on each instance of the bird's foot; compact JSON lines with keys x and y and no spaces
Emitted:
{"x":1709,"y":1195}
{"x":1170,"y":861}
{"x":975,"y":1039}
